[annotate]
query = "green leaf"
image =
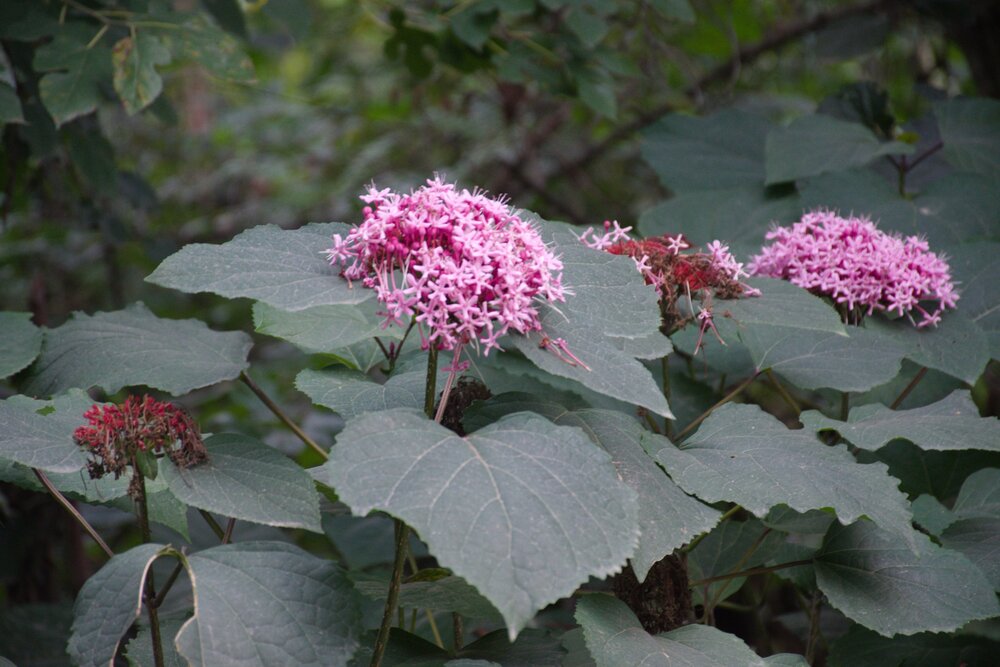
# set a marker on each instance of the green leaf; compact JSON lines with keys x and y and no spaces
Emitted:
{"x":741,"y":216}
{"x":609,"y":370}
{"x":282,"y":268}
{"x":10,"y":106}
{"x":596,"y":89}
{"x":780,"y":304}
{"x":350,"y":393}
{"x":864,"y":648}
{"x":247,"y":480}
{"x":323,"y":329}
{"x":979,"y":540}
{"x":935,"y":472}
{"x":533,"y":648}
{"x":219,"y":52}
{"x":744,"y":455}
{"x":731,"y":547}
{"x":589,"y":26}
{"x":39,"y":434}
{"x":135,"y":347}
{"x":970,"y":131}
{"x":450,"y":593}
{"x":956,"y":346}
{"x":931,"y":515}
{"x":473,"y":22}
{"x":269,"y":603}
{"x":136,"y":80}
{"x":950,"y":424}
{"x":668,"y":517}
{"x":139,"y":651}
{"x":72,"y":88}
{"x":883,"y":585}
{"x":956,"y":208}
{"x":675,"y":9}
{"x":615,"y":638}
{"x":108,"y":604}
{"x":980,"y":495}
{"x":229,"y":15}
{"x":493,"y":507}
{"x":786,"y":660}
{"x":975,"y":267}
{"x":21,"y":342}
{"x":817,"y":144}
{"x":813,"y":360}
{"x":717,"y":152}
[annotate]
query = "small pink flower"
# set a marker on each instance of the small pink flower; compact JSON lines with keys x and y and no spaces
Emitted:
{"x":856,"y":264}
{"x":466,"y":267}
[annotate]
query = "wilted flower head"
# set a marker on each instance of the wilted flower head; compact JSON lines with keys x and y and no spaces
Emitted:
{"x":851,"y":261}
{"x":116,"y":434}
{"x":678,"y":272}
{"x":465,"y":265}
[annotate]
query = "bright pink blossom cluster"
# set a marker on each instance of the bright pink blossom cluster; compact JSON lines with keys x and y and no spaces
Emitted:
{"x":465,"y":265}
{"x":854,"y":263}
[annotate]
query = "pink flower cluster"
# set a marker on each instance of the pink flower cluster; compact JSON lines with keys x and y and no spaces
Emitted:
{"x":465,"y":265}
{"x":853,"y":262}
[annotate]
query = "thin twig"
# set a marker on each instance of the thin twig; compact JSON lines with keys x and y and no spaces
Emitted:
{"x":909,"y":388}
{"x":434,"y":628}
{"x":149,"y":591}
{"x":213,"y":524}
{"x":62,"y":500}
{"x":749,"y":573}
{"x":228,"y":536}
{"x":784,"y":393}
{"x":728,"y":397}
{"x":402,"y":535}
{"x":158,"y":600}
{"x":457,"y":630}
{"x":740,"y":563}
{"x":279,"y":413}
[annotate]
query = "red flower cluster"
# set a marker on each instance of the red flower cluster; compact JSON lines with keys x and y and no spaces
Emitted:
{"x":116,"y":434}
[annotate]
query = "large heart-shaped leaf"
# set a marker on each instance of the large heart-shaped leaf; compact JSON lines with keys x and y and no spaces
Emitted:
{"x":21,"y":342}
{"x":979,"y":495}
{"x":668,"y":517}
{"x":817,"y":144}
{"x":970,"y":131}
{"x":719,"y":151}
{"x":283,"y":268}
{"x":523,"y":510}
{"x":108,"y":604}
{"x":245,"y":479}
{"x":351,"y":393}
{"x":956,"y":346}
{"x":979,"y":540}
{"x":39,"y":434}
{"x":744,"y":455}
{"x":815,"y":360}
{"x":975,"y":266}
{"x":864,"y":648}
{"x":880,"y":583}
{"x":269,"y":603}
{"x":135,"y":347}
{"x":615,"y":638}
{"x":950,"y":424}
{"x":323,"y":329}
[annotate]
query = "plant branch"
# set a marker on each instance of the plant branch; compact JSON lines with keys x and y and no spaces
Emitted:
{"x":228,"y":536}
{"x":728,"y":397}
{"x":213,"y":524}
{"x":280,"y":414}
{"x":740,"y":563}
{"x":909,"y":388}
{"x":64,"y":501}
{"x":749,"y":573}
{"x":402,"y":535}
{"x":784,"y":393}
{"x":158,"y":600}
{"x":149,"y":592}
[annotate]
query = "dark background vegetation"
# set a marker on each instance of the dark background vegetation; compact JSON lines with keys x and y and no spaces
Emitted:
{"x":541,"y":100}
